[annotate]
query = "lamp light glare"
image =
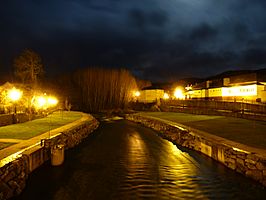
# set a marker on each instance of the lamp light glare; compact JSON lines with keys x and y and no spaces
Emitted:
{"x":137,"y":94}
{"x":14,"y":94}
{"x":41,"y":101}
{"x":52,"y":101}
{"x":179,"y":93}
{"x":166,"y":96}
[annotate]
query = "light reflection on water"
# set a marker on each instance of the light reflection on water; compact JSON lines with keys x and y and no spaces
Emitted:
{"x":123,"y":160}
{"x":152,"y":178}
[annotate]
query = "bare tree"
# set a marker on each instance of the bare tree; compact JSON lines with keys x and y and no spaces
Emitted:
{"x":28,"y":66}
{"x":103,"y":89}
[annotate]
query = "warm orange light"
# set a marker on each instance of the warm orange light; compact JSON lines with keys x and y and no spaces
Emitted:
{"x":247,"y":90}
{"x":41,"y":102}
{"x":188,"y":88}
{"x":14,"y":94}
{"x":166,"y":96}
{"x":52,"y":101}
{"x":137,"y":94}
{"x":179,"y":93}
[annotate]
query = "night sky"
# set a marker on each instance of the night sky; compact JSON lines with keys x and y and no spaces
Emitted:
{"x":160,"y":40}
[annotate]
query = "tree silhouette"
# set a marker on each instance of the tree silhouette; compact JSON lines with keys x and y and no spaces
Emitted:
{"x":28,"y":66}
{"x":98,"y":89}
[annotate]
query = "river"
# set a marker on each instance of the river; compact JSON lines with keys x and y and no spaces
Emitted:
{"x":123,"y":160}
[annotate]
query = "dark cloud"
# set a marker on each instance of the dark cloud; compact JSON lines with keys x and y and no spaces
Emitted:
{"x":147,"y":19}
{"x":156,"y":39}
{"x":203,"y":32}
{"x":255,"y":57}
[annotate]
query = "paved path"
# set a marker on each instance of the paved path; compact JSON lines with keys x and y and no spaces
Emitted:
{"x":247,"y":132}
{"x":10,"y":140}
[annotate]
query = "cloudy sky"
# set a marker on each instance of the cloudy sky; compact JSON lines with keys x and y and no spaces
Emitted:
{"x":156,"y":39}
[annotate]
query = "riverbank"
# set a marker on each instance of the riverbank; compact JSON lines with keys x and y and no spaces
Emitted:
{"x":124,"y":160}
{"x":19,"y":160}
{"x":219,"y":108}
{"x":245,"y":159}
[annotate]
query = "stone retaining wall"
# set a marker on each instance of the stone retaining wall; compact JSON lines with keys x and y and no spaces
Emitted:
{"x":13,"y":175}
{"x":251,"y":164}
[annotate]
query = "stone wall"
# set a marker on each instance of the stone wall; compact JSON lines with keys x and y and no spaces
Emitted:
{"x":13,"y":176}
{"x":250,"y":164}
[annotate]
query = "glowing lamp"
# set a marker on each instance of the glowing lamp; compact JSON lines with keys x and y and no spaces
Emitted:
{"x":179,"y":93}
{"x":137,"y":94}
{"x":166,"y":96}
{"x":14,"y":94}
{"x":41,"y":101}
{"x":52,"y":101}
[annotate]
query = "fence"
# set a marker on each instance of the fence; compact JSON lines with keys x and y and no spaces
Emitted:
{"x":4,"y":109}
{"x":224,"y":106}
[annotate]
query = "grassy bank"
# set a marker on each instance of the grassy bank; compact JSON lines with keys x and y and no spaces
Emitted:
{"x":36,"y":127}
{"x":249,"y":132}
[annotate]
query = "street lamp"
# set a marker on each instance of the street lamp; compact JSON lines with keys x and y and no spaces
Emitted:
{"x":52,"y":101}
{"x":44,"y":102}
{"x":179,"y":94}
{"x":136,"y":93}
{"x":14,"y":95}
{"x":41,"y":101}
{"x":165,"y":96}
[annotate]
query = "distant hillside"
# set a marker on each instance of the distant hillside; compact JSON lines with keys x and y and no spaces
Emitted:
{"x":193,"y":80}
{"x":236,"y":72}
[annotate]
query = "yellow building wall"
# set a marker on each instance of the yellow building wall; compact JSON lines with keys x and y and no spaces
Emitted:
{"x":197,"y":94}
{"x":215,"y":92}
{"x":148,"y":96}
{"x":245,"y":92}
{"x":262,"y":92}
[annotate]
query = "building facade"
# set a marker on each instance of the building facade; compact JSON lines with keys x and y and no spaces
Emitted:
{"x":246,"y":87}
{"x":150,"y":95}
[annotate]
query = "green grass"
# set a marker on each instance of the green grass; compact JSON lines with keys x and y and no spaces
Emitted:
{"x":249,"y":132}
{"x":179,"y":117}
{"x":36,"y":127}
{"x":4,"y":145}
{"x":244,"y":131}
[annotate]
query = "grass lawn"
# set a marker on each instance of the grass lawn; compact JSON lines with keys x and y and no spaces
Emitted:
{"x":4,"y":145}
{"x":179,"y":117}
{"x":36,"y":127}
{"x":249,"y":132}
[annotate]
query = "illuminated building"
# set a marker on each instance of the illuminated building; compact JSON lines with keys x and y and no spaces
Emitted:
{"x":151,"y":95}
{"x":246,"y":87}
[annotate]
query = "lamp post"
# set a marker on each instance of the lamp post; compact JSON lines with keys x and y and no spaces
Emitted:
{"x":14,"y":95}
{"x":178,"y":93}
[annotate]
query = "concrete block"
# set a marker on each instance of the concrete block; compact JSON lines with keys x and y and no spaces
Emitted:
{"x":35,"y":157}
{"x":206,"y":149}
{"x":220,"y":154}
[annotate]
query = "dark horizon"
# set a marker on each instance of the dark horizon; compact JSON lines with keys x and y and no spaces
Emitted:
{"x":155,"y":40}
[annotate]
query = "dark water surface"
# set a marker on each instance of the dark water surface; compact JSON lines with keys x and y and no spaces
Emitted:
{"x":123,"y":160}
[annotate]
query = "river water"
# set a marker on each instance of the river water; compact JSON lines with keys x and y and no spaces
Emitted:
{"x":123,"y":160}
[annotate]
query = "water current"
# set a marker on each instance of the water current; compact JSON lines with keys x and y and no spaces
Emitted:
{"x":123,"y":160}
